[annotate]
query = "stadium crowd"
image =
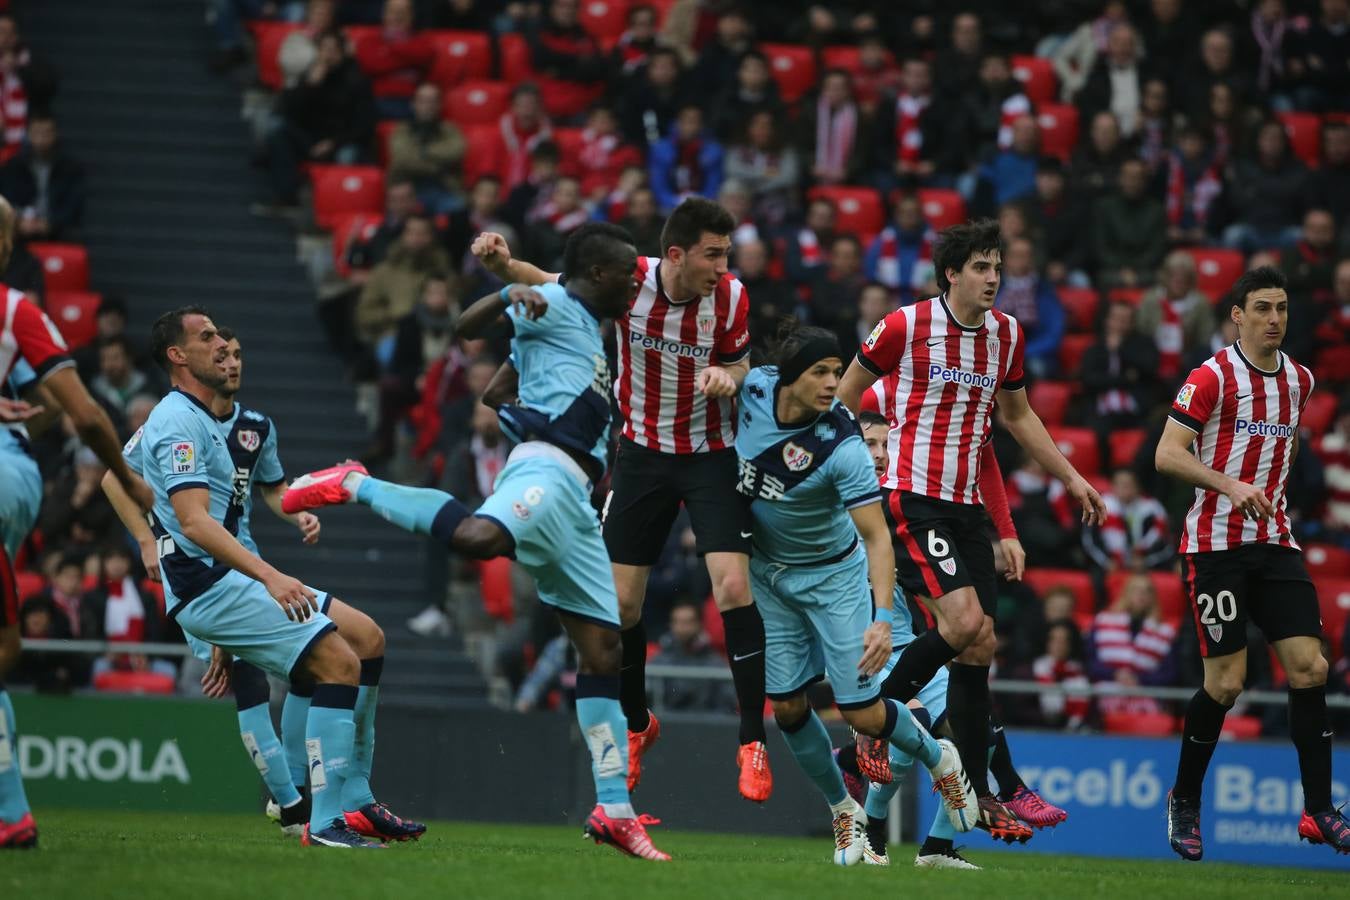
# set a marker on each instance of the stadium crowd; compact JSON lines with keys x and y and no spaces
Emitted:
{"x":1138,"y":156}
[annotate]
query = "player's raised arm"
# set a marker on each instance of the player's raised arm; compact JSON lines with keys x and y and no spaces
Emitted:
{"x":495,"y":255}
{"x":491,"y":310}
{"x":1029,"y":431}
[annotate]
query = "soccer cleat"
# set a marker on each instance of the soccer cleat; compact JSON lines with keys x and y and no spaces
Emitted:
{"x":949,"y":858}
{"x":628,"y":836}
{"x":853,"y":783}
{"x":20,"y":835}
{"x":850,"y":835}
{"x":874,"y":759}
{"x":756,"y":781}
{"x":951,"y":783}
{"x":376,"y":821}
{"x":1001,"y":824}
{"x":1330,"y":828}
{"x":1028,"y":806}
{"x":292,"y":818}
{"x":322,"y":488}
{"x":639,"y":742}
{"x":1183,"y":827}
{"x":337,"y":834}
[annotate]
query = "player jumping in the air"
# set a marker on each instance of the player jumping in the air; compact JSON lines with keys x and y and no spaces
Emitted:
{"x":1240,"y":562}
{"x":540,"y":511}
{"x":954,"y":355}
{"x":818,"y":532}
{"x":683,"y":351}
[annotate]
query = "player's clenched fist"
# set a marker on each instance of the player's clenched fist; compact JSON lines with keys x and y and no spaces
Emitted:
{"x":291,"y":595}
{"x":493,"y":252}
{"x":715,"y":381}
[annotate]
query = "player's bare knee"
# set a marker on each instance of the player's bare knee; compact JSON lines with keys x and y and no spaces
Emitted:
{"x":601,"y":656}
{"x":1308,"y":672}
{"x":965,"y":624}
{"x":731,"y":590}
{"x":1224,"y":687}
{"x":869,"y":720}
{"x":332,"y":661}
{"x":480,"y":538}
{"x":789,"y":713}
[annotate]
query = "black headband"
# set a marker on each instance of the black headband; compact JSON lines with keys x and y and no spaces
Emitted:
{"x":807,"y":355}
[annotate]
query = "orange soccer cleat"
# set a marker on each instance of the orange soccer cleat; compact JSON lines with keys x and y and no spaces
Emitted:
{"x":639,"y":742}
{"x":322,"y":488}
{"x":756,"y":781}
{"x":628,"y":836}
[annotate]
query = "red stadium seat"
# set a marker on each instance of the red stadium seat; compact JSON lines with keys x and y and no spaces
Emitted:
{"x":345,"y":189}
{"x":1334,"y":598}
{"x":1318,"y":413}
{"x":1059,"y":129}
{"x":793,"y":67}
{"x":348,"y":228}
{"x":1140,"y":724}
{"x":857,"y":209}
{"x":65,"y":266}
{"x":569,"y":141}
{"x":361,"y":34}
{"x":477,"y":102}
{"x":268,"y":38}
{"x":1131,"y":296}
{"x":1071,"y":350}
{"x":1242,"y":728}
{"x":942,"y":207}
{"x":460,"y":56}
{"x":76,"y":314}
{"x":515,"y":59}
{"x":1080,"y":446}
{"x":1080,"y":305}
{"x":604,"y":19}
{"x":1305,"y":135}
{"x":1217,"y":269}
{"x":1171,"y":593}
{"x":1327,"y":561}
{"x":1125,"y":445}
{"x":842,"y":57}
{"x":482,"y":154}
{"x":1037,"y":77}
{"x":29,"y":583}
{"x":1051,"y":399}
{"x":383,"y":132}
{"x":1331,"y":365}
{"x":1043,"y":581}
{"x":134,"y":682}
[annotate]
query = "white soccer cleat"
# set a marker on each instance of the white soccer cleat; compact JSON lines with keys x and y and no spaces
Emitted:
{"x":850,"y":834}
{"x":273,"y":811}
{"x":951,"y":783}
{"x":872,"y":857}
{"x":950,"y":859}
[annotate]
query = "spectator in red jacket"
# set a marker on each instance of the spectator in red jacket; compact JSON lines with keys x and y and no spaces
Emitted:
{"x":571,"y":65}
{"x":397,"y":60}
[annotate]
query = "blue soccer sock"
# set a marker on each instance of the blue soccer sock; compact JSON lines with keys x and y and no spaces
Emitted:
{"x":251,"y":696}
{"x":902,"y":730}
{"x":941,"y":829}
{"x":878,"y":802}
{"x":810,"y":744}
{"x":356,"y":792}
{"x":294,"y":712}
{"x":421,"y":510}
{"x":330,"y":734}
{"x":13,"y":801}
{"x":605,"y":730}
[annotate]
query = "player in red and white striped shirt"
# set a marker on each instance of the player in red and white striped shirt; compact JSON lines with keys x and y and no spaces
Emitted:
{"x":953,"y":356}
{"x":1240,"y":562}
{"x":683,"y":351}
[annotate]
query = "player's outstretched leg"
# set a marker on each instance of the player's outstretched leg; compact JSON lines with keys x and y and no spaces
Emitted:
{"x":809,"y":742}
{"x":251,"y":697}
{"x":17,"y":829}
{"x":1020,"y":800}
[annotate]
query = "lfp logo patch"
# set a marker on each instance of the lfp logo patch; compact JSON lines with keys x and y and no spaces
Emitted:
{"x":184,"y":458}
{"x":1185,"y":394}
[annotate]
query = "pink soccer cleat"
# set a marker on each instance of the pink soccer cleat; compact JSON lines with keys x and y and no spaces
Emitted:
{"x":1028,"y":806}
{"x":628,"y":836}
{"x":322,"y":488}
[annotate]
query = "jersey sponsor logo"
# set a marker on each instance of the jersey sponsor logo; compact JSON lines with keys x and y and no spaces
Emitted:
{"x":954,"y":375}
{"x":1185,"y":394}
{"x":796,"y":458}
{"x":133,"y":440}
{"x":521,"y":510}
{"x":1263,"y":429}
{"x":249,"y":440}
{"x":742,"y":339}
{"x":825,"y":431}
{"x":184,"y":457}
{"x":255,"y":416}
{"x":662,"y":345}
{"x":875,"y":335}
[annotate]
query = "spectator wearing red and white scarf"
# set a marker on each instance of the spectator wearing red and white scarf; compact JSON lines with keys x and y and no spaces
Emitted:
{"x":1134,"y":536}
{"x":1194,"y":186}
{"x":1177,"y":317}
{"x":13,"y":104}
{"x":877,"y":76}
{"x":901,"y":257}
{"x":638,"y":40}
{"x":807,"y":246}
{"x":915,"y":139}
{"x":1062,"y":665}
{"x":128,"y":611}
{"x":1334,"y":452}
{"x":603,"y":154}
{"x":687,"y":163}
{"x":523,"y":127}
{"x":555,"y":215}
{"x":1131,"y":646}
{"x":831,"y":131}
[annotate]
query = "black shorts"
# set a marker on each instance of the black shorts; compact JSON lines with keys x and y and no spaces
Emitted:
{"x":645,"y":494}
{"x":941,"y":546}
{"x":1262,"y":582}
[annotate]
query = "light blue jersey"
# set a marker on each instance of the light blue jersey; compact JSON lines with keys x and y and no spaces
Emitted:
{"x":802,"y":479}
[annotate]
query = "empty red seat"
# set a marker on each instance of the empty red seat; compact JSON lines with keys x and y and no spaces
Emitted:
{"x":482,"y":152}
{"x":569,"y":141}
{"x":842,"y":57}
{"x":358,"y":35}
{"x":1051,"y":399}
{"x":604,"y":19}
{"x":1318,"y":413}
{"x":460,"y":56}
{"x":349,"y":228}
{"x":1332,"y":364}
{"x":515,"y":59}
{"x":1059,"y":129}
{"x":1327,"y":561}
{"x":1305,"y":135}
{"x":1171,"y":593}
{"x":268,"y":38}
{"x":1125,"y":445}
{"x":1128,"y":295}
{"x":857,"y":209}
{"x":793,"y":67}
{"x":1080,"y":308}
{"x":1037,"y":77}
{"x":1216,"y":270}
{"x":1043,"y":581}
{"x":28,"y":583}
{"x":942,"y":207}
{"x":477,"y":102}
{"x":1140,"y":724}
{"x":345,"y":189}
{"x":75,"y":314}
{"x":134,"y":682}
{"x":65,"y":266}
{"x":1079,"y":445}
{"x":1071,"y":350}
{"x":1333,"y":595}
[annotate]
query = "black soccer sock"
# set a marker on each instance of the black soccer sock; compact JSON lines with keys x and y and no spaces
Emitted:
{"x":1199,"y":736}
{"x":1000,"y":762}
{"x":1310,"y":730}
{"x":968,"y":707}
{"x":745,"y":651}
{"x":933,"y":845}
{"x":917,"y":665}
{"x":633,"y":677}
{"x":847,"y":758}
{"x":876,"y":834}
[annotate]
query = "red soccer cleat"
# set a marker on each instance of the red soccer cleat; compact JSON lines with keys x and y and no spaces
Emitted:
{"x":20,"y":835}
{"x":639,"y":742}
{"x":1330,"y":828}
{"x":628,"y":836}
{"x":756,"y":781}
{"x":376,"y":821}
{"x":1028,"y":806}
{"x":1001,"y":824}
{"x":874,"y":759}
{"x":322,"y":488}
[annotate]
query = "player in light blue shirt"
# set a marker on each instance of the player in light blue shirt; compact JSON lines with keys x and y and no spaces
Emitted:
{"x":818,"y":531}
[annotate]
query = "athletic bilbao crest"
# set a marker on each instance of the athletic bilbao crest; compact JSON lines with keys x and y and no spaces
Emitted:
{"x":796,"y":458}
{"x":249,"y":440}
{"x":706,"y":324}
{"x":1215,"y":632}
{"x":948,"y":565}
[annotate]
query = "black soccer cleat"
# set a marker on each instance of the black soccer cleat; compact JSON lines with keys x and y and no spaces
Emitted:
{"x":1183,"y":827}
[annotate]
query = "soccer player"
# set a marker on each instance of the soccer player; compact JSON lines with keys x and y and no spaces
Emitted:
{"x":813,"y":495}
{"x":954,"y":355}
{"x":683,"y":352}
{"x":540,"y":511}
{"x":27,"y":334}
{"x":1240,"y":561}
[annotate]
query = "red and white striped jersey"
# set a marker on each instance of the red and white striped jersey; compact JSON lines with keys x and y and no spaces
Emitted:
{"x":27,"y":333}
{"x":663,"y":346}
{"x":1245,"y":420}
{"x":946,"y":376}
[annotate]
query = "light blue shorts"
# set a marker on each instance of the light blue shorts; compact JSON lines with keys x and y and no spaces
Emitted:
{"x":932,"y":695}
{"x":814,"y":620}
{"x":20,"y":498}
{"x":202,"y":650}
{"x":544,"y":503}
{"x":240,"y":617}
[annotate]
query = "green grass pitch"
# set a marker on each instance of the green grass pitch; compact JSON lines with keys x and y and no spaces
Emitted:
{"x":194,"y":857}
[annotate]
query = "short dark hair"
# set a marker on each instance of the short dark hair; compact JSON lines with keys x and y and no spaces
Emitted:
{"x":1258,"y":279}
{"x":867,"y":418}
{"x":111,"y":303}
{"x":593,"y":244}
{"x":692,"y":219}
{"x":119,"y":340}
{"x":958,"y":243}
{"x":226,"y":333}
{"x":546,"y":149}
{"x":168,"y":332}
{"x":525,"y":87}
{"x":70,"y":559}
